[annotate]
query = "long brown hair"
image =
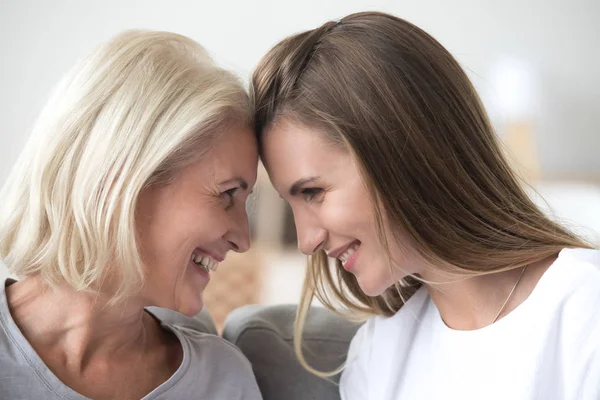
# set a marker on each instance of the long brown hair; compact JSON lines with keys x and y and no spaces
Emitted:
{"x":400,"y":103}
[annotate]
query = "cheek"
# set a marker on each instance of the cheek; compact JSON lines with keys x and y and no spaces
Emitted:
{"x":203,"y":225}
{"x":349,"y":214}
{"x":173,"y":235}
{"x":335,"y":217}
{"x":210,"y":227}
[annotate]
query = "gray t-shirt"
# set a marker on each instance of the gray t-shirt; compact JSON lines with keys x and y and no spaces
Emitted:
{"x":211,"y":368}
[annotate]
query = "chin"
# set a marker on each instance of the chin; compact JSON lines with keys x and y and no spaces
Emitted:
{"x":371,"y":288}
{"x":189,"y":303}
{"x":190,"y":309}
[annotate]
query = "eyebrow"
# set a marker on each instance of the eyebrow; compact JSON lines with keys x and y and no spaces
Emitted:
{"x":241,"y":182}
{"x":297,"y":186}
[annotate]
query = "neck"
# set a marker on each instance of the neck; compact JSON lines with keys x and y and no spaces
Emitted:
{"x":80,"y":328}
{"x":473,"y":303}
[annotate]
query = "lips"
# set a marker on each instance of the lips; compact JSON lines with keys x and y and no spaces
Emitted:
{"x":336,"y":253}
{"x":207,"y":263}
{"x":346,"y":255}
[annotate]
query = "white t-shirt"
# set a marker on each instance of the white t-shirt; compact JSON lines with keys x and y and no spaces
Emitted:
{"x":548,"y":348}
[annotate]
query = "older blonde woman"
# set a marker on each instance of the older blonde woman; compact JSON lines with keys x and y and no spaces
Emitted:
{"x":130,"y":191}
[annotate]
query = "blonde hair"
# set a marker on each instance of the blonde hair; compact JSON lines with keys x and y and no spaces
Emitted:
{"x":401,"y":105}
{"x":131,"y":114}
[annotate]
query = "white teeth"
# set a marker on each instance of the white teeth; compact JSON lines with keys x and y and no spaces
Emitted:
{"x":348,"y":253}
{"x":212,"y":264}
{"x":205,"y":262}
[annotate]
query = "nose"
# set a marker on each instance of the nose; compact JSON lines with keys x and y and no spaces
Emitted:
{"x":238,"y":236}
{"x":310,"y":234}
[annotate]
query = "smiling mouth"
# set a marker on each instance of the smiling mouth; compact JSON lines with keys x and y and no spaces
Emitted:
{"x":206,"y":263}
{"x":345,"y":256}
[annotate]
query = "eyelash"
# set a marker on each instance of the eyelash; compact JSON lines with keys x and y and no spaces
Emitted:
{"x":230,"y":195}
{"x":310,"y":193}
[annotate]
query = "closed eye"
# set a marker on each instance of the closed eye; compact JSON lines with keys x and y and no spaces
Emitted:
{"x":310,"y":194}
{"x":228,"y":197}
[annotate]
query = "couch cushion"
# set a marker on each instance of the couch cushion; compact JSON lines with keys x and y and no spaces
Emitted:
{"x":265,"y":336}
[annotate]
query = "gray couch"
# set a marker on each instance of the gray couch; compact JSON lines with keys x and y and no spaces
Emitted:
{"x":265,"y":335}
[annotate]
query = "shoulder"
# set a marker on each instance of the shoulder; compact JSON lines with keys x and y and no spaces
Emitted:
{"x":370,"y":356}
{"x":378,"y":327}
{"x":213,"y":350}
{"x":576,"y":273}
{"x":404,"y":320}
{"x":204,"y":348}
{"x":212,"y":363}
{"x":581,"y":256}
{"x":578,"y":317}
{"x":566,"y":302}
{"x":222,"y":366}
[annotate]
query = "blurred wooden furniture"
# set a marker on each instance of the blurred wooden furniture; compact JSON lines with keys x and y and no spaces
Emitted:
{"x":236,"y":283}
{"x":522,"y":151}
